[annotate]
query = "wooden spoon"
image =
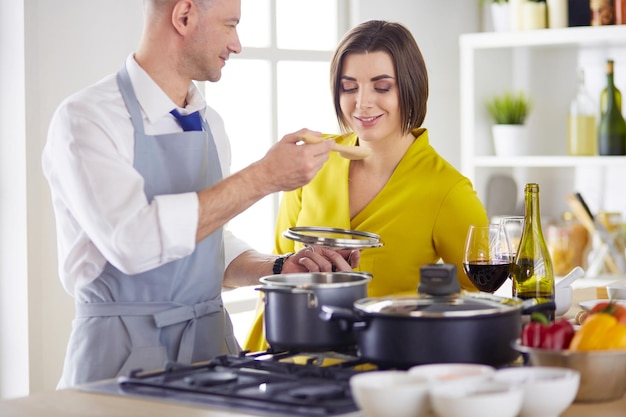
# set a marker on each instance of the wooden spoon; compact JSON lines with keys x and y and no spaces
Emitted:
{"x":348,"y":152}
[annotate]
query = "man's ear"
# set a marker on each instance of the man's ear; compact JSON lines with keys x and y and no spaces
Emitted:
{"x":182,"y":13}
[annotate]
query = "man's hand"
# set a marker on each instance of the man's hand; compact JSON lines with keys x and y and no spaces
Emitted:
{"x":319,"y":259}
{"x":289,"y":164}
{"x":286,"y":166}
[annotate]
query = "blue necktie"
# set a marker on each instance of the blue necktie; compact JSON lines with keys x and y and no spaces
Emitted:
{"x":188,"y":122}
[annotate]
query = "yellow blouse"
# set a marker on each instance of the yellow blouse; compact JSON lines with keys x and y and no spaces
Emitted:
{"x":422,"y":216}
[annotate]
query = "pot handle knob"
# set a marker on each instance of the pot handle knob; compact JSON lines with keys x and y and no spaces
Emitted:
{"x":438,"y":280}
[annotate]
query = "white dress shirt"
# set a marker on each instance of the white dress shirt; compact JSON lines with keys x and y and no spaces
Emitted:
{"x":102,"y":213}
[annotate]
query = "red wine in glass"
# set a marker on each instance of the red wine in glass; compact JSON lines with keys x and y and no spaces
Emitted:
{"x":488,"y":275}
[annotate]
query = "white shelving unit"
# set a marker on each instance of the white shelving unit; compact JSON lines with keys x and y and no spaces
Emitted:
{"x":542,"y":63}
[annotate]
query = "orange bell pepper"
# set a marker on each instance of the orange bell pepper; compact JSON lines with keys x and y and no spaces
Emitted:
{"x":599,"y":331}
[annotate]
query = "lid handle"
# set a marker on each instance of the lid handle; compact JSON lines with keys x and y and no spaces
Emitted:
{"x":438,"y":280}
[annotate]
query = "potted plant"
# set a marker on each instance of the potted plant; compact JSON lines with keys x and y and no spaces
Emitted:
{"x":509,"y":112}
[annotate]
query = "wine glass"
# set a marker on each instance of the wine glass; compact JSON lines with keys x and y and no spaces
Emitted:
{"x":513,"y":227}
{"x":486,"y":258}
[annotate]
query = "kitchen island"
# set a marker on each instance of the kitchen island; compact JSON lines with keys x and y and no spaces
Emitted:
{"x":77,"y":403}
{"x":73,"y":403}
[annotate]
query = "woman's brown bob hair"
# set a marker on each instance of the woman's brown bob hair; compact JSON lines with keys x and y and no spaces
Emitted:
{"x":398,"y":42}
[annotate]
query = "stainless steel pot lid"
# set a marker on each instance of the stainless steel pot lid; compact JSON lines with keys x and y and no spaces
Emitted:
{"x":317,"y":279}
{"x":464,"y":305}
{"x":333,"y":237}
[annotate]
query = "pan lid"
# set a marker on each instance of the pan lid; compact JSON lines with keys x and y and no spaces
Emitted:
{"x":463,"y":304}
{"x":317,"y":279}
{"x":440,"y":295}
{"x":333,"y":237}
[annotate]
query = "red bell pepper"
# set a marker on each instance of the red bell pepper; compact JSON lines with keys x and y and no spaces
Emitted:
{"x":542,"y":334}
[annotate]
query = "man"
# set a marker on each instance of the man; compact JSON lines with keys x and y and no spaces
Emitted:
{"x":141,"y":198}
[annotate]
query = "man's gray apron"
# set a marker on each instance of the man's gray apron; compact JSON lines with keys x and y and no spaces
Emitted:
{"x":174,"y":312}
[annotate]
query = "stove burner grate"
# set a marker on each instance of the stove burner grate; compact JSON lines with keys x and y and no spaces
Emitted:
{"x":209,"y":379}
{"x":282,"y":384}
{"x":318,"y":392}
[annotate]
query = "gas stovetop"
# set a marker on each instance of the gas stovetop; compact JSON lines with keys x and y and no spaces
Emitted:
{"x":264,"y":383}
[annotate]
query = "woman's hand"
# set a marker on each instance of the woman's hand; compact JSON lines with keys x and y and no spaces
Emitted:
{"x":319,"y":259}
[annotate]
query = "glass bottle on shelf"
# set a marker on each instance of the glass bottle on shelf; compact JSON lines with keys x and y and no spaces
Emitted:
{"x":532,"y":271}
{"x":534,"y":13}
{"x":604,"y":95}
{"x":582,"y":139}
{"x":516,"y":15}
{"x":612,"y":127}
{"x":557,"y":13}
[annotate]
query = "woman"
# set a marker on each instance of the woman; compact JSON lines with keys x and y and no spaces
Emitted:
{"x":418,"y":203}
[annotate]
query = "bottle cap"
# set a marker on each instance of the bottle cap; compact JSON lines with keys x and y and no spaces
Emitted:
{"x":609,"y":66}
{"x":532,"y":187}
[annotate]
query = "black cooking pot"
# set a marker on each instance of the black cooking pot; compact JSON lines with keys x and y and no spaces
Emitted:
{"x":441,"y":325}
{"x":293,"y":306}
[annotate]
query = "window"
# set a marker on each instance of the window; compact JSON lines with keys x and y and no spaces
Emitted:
{"x":277,"y":85}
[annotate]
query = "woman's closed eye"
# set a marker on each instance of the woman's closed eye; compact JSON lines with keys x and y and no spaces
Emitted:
{"x":349,"y":87}
{"x":383,"y":86}
{"x":352,"y":88}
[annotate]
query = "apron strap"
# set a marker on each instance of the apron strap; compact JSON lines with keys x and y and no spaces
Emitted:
{"x":130,"y":99}
{"x":164,"y":314}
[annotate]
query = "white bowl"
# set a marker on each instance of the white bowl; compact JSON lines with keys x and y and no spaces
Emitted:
{"x":390,"y":393}
{"x":616,"y":290}
{"x":468,"y":398}
{"x":563,"y":299}
{"x":446,"y":372}
{"x":442,"y":373}
{"x":548,"y":391}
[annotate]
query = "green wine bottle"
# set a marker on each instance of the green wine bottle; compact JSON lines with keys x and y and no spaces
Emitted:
{"x":604,"y":95}
{"x":612,"y":128}
{"x":532,"y":271}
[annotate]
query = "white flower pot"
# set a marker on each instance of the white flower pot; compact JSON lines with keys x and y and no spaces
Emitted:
{"x":510,"y":140}
{"x":500,"y":17}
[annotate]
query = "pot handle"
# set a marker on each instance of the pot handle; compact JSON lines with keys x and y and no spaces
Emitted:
{"x":311,"y":298}
{"x":346,"y":317}
{"x":536,"y":304}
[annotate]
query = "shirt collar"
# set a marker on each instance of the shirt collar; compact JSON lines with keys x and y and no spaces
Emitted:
{"x":153,"y":100}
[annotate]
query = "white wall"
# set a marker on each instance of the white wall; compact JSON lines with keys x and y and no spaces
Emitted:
{"x":60,"y":46}
{"x":64,"y":45}
{"x":13,"y":253}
